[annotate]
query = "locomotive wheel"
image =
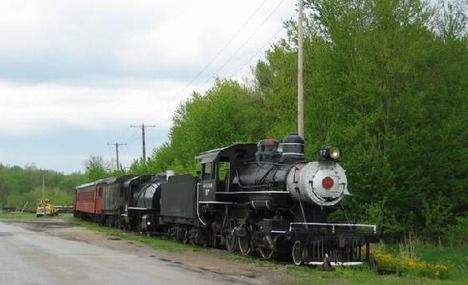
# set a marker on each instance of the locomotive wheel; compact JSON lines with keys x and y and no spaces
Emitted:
{"x":230,"y":241}
{"x":186,"y":236}
{"x":172,"y":233}
{"x":299,"y":252}
{"x":268,"y":248}
{"x":244,"y":244}
{"x":230,"y":237}
{"x":194,"y":237}
{"x":266,"y":252}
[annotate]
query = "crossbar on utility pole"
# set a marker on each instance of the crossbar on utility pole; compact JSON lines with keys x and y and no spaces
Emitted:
{"x":143,"y":127}
{"x":300,"y":72}
{"x":117,"y":152}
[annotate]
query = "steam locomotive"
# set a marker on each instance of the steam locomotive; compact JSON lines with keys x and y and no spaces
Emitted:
{"x":252,"y":198}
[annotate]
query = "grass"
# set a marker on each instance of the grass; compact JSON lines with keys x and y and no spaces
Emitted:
{"x":156,"y":243}
{"x":360,"y":275}
{"x":456,"y":259}
{"x":9,"y":216}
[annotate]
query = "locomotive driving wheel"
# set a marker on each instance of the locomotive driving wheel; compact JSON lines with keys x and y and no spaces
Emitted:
{"x":194,"y":236}
{"x":299,"y":252}
{"x":230,"y":236}
{"x":244,"y":245}
{"x":243,"y":239}
{"x":268,"y":247}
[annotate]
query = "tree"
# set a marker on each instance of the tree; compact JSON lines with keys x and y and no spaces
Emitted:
{"x":225,"y":114}
{"x":382,"y":85}
{"x":385,"y":80}
{"x":96,"y":168}
{"x":19,"y":186}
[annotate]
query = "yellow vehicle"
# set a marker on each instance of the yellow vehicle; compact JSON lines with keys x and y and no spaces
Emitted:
{"x":45,"y":208}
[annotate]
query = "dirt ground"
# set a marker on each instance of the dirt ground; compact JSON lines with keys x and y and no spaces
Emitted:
{"x":215,"y":261}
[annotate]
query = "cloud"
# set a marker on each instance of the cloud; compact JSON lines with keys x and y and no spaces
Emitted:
{"x":90,"y":64}
{"x":75,"y":70}
{"x":59,"y":40}
{"x":40,"y":108}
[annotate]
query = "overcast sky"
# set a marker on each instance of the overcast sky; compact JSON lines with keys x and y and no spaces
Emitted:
{"x":74,"y":75}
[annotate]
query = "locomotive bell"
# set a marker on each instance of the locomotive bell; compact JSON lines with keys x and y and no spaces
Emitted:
{"x":267,"y":150}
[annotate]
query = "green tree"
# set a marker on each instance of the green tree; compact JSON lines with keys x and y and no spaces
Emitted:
{"x":23,"y":186}
{"x":384,"y":85}
{"x":96,"y":168}
{"x":225,"y":114}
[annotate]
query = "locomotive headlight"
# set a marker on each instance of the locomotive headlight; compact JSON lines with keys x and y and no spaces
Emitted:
{"x":329,"y":153}
{"x":334,"y":153}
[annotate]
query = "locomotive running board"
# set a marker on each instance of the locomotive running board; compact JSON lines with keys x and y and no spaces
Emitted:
{"x":333,"y":264}
{"x":333,"y":226}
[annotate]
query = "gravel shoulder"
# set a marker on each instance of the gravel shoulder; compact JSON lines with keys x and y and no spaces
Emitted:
{"x":213,"y":260}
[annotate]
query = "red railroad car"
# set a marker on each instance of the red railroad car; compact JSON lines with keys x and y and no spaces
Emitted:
{"x":88,"y":200}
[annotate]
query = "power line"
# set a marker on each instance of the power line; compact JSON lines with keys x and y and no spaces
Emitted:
{"x":224,"y":47}
{"x":234,"y":36}
{"x":249,"y":19}
{"x":229,"y":42}
{"x":269,"y":42}
{"x":245,"y":42}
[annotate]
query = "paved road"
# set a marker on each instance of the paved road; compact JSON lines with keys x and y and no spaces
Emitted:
{"x":32,"y":258}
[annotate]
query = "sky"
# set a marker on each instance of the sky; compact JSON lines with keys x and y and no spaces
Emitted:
{"x":74,"y":75}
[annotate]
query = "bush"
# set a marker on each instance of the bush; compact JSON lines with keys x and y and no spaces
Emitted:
{"x":457,"y":235}
{"x":404,"y":264}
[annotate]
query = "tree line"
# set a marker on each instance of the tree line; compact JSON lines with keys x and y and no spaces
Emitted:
{"x":386,"y":81}
{"x":22,"y":186}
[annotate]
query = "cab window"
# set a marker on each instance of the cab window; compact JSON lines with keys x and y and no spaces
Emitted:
{"x":208,"y":171}
{"x":223,"y":170}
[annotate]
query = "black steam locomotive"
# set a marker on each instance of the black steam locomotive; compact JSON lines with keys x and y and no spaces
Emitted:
{"x":249,"y":198}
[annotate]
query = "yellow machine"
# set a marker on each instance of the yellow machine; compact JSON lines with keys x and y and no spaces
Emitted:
{"x":45,"y":208}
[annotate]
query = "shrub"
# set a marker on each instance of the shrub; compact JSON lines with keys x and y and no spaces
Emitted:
{"x":404,"y":264}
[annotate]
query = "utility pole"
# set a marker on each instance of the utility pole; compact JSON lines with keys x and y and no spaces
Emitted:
{"x":117,"y":152}
{"x":143,"y":127}
{"x":43,"y":188}
{"x":300,"y":71}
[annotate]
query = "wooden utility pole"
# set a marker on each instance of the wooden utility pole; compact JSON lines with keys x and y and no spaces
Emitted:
{"x":143,"y":126}
{"x":117,"y":152}
{"x":43,"y":188}
{"x":300,"y":72}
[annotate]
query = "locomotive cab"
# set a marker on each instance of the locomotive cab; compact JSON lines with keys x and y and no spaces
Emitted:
{"x":219,"y":167}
